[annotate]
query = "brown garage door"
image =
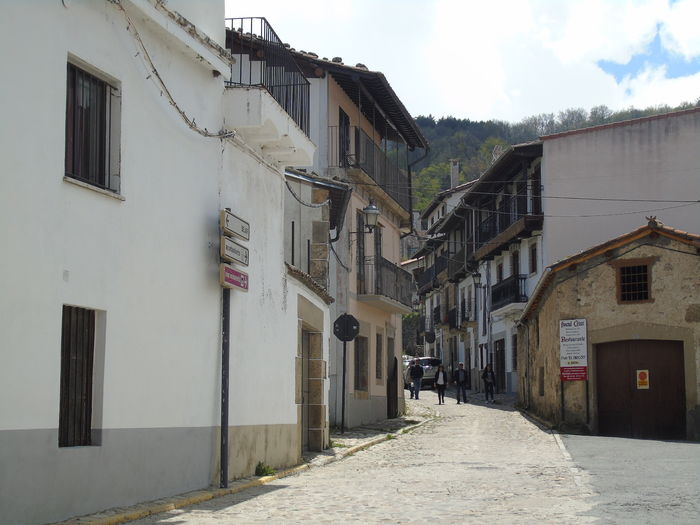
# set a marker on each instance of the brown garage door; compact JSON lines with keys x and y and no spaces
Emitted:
{"x":625,"y":409}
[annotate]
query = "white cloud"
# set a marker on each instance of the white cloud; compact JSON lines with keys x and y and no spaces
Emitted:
{"x":680,"y":30}
{"x":502,"y":59}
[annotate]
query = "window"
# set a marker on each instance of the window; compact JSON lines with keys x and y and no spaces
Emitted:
{"x":533,"y":258}
{"x":77,"y":356}
{"x":92,"y":130}
{"x":361,"y":363}
{"x":516,"y":263}
{"x":499,"y":272}
{"x":379,"y":357}
{"x":634,"y":280}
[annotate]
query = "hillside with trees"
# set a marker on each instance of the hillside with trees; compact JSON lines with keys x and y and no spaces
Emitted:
{"x":473,"y":142}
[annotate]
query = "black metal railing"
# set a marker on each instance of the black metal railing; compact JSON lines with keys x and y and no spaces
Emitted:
{"x":512,"y":209}
{"x":510,"y":290}
{"x":352,"y":147}
{"x":425,"y":279}
{"x":440,"y":264}
{"x":262,"y":59}
{"x":456,"y":264}
{"x":382,"y":277}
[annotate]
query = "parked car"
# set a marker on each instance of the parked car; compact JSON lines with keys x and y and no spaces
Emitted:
{"x":430,"y":366}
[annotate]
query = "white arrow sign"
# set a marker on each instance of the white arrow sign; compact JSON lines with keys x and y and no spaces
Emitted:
{"x":233,"y":225}
{"x":233,"y":252}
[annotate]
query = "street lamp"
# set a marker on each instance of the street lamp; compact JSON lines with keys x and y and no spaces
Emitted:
{"x":476,"y":277}
{"x":371,"y":215}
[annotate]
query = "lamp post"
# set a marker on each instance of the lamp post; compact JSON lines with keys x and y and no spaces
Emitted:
{"x":371,"y":215}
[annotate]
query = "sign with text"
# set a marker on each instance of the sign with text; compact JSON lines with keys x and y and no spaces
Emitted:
{"x":234,"y":225}
{"x":642,"y":379}
{"x":573,"y":350}
{"x":229,"y":277}
{"x":231,"y":251}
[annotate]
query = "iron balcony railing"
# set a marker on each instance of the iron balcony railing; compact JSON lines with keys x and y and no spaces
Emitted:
{"x":352,"y":147}
{"x":425,"y":279}
{"x":440,"y":264}
{"x":512,"y":209}
{"x":382,"y":277}
{"x":262,"y":59}
{"x":456,"y":264}
{"x":510,"y":290}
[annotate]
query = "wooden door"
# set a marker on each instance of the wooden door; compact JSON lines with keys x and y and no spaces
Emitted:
{"x":630,"y":408}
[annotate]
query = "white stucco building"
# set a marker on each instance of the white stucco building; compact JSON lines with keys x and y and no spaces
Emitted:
{"x":122,"y":139}
{"x":539,"y":203}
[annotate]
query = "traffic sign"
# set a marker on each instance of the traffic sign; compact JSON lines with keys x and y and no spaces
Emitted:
{"x":229,"y":277}
{"x":346,"y":327}
{"x":234,"y":225}
{"x":231,"y":251}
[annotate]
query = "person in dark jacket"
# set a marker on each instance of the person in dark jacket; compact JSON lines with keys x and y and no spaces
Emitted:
{"x":489,"y":381}
{"x":416,"y":377}
{"x":460,"y":379}
{"x":441,"y":384}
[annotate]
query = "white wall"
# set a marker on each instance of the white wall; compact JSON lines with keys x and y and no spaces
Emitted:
{"x":646,"y":159}
{"x":150,"y":260}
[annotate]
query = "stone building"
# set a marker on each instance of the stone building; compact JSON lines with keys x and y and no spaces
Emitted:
{"x":639,"y":295}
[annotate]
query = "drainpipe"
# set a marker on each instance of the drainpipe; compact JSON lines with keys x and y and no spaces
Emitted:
{"x":410,"y":188}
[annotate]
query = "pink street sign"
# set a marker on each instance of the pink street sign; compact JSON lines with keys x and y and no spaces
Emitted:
{"x":229,"y":277}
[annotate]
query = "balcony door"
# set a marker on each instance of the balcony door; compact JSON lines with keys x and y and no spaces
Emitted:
{"x":344,"y":139}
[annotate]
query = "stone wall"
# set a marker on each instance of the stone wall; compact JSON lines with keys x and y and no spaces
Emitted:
{"x":589,"y":291}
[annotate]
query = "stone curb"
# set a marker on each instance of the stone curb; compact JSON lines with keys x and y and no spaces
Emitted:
{"x":124,"y":515}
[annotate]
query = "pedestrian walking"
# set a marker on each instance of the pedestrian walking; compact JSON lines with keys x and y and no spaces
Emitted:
{"x":410,"y":384}
{"x":416,"y":377}
{"x":441,"y":384}
{"x":489,"y":381}
{"x":460,"y":379}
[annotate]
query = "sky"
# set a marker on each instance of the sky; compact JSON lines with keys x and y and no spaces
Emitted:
{"x":504,"y":59}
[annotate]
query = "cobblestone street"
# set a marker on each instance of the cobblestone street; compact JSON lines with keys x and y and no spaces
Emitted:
{"x":475,"y":463}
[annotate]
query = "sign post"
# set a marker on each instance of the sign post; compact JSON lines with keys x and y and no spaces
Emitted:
{"x":229,"y":277}
{"x":345,"y":328}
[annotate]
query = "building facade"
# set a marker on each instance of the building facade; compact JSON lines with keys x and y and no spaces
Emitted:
{"x":364,"y":135}
{"x":114,"y":177}
{"x":538,"y":203}
{"x":638,"y":297}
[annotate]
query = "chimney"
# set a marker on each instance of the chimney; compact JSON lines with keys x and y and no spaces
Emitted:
{"x":454,"y":172}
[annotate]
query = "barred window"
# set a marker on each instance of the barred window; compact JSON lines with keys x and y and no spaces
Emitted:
{"x":92,"y":130}
{"x":633,"y":278}
{"x":379,"y":358}
{"x":634,"y":283}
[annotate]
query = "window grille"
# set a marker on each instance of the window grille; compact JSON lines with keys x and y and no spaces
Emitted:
{"x":634,"y":283}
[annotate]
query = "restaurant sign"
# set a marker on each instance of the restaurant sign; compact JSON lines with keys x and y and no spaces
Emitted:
{"x":573,"y":350}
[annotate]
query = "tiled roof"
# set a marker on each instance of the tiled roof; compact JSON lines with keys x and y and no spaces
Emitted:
{"x":653,"y":227}
{"x":621,"y":123}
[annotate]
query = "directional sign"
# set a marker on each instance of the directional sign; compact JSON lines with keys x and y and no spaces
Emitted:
{"x":229,"y":277}
{"x":233,"y":225}
{"x":346,"y":327}
{"x":233,"y":252}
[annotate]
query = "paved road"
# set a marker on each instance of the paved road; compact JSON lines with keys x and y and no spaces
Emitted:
{"x":640,"y":481}
{"x":475,"y":464}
